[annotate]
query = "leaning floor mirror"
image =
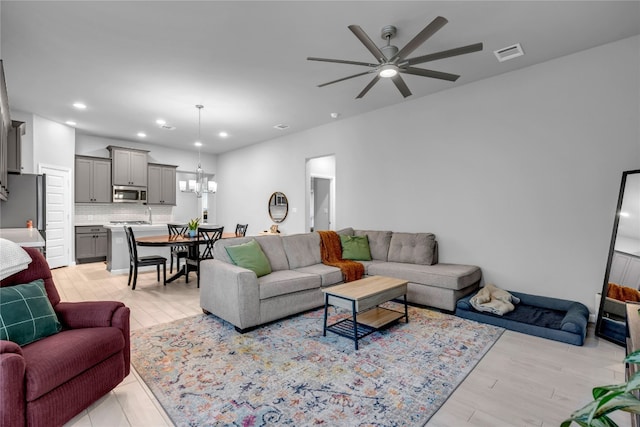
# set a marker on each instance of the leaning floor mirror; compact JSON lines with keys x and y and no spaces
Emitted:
{"x":622,"y":275}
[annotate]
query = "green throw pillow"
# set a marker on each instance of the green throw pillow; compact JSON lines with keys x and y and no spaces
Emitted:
{"x":26,"y":315}
{"x":249,"y":255}
{"x":355,"y":248}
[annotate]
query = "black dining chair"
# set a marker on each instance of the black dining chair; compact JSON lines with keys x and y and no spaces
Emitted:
{"x":135,"y":261}
{"x":241,"y":230}
{"x":178,"y":252}
{"x":207,"y":236}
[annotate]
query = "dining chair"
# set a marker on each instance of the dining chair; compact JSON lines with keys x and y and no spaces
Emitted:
{"x":208,"y":236}
{"x":135,"y":261}
{"x":178,"y":252}
{"x":241,"y":230}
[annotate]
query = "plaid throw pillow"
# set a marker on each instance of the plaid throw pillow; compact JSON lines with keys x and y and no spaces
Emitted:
{"x":26,"y":315}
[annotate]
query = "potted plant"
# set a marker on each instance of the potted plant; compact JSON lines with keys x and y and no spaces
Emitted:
{"x":193,"y":226}
{"x":610,"y":398}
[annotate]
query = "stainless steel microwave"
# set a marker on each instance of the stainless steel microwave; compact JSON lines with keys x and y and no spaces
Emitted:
{"x":123,"y":194}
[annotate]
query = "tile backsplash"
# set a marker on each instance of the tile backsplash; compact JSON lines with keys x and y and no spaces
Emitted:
{"x":104,"y":213}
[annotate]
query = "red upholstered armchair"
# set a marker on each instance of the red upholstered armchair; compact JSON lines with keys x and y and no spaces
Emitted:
{"x":49,"y":381}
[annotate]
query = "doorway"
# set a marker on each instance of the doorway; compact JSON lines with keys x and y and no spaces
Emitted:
{"x":321,"y":200}
{"x":58,"y":215}
{"x":320,"y":197}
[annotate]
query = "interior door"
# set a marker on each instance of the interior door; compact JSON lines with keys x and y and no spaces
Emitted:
{"x":58,"y":214}
{"x":321,"y":203}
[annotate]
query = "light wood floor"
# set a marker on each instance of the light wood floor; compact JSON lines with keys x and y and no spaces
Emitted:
{"x":522,"y":381}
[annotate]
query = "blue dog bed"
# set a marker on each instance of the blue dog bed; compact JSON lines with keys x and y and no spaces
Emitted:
{"x":545,"y":317}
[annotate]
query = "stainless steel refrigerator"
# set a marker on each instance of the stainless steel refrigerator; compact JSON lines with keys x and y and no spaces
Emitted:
{"x":26,"y":201}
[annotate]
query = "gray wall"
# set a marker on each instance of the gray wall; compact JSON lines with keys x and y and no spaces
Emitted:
{"x":518,"y":174}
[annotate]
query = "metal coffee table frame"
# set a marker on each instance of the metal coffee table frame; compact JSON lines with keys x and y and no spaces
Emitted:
{"x":366,"y":316}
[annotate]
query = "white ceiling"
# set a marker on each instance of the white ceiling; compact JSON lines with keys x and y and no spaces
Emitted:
{"x":133,"y":62}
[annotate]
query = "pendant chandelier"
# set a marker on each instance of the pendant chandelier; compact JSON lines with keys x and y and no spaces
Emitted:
{"x":201,"y":184}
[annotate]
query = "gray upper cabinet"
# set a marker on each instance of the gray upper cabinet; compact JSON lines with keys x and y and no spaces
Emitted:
{"x":162,"y":185}
{"x":14,"y":147}
{"x":93,"y":180}
{"x":129,"y":166}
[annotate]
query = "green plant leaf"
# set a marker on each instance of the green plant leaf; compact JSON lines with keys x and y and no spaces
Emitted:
{"x":601,"y":391}
{"x":633,"y":357}
{"x":633,"y":383}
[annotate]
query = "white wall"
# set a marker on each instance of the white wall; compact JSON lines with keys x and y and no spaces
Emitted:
{"x":518,"y":174}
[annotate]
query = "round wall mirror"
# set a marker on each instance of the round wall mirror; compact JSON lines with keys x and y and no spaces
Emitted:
{"x":278,"y":207}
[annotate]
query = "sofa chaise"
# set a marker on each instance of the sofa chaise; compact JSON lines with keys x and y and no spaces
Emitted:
{"x":239,"y":296}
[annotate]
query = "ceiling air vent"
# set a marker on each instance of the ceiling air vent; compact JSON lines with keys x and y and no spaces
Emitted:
{"x":167,"y":127}
{"x":281,"y":127}
{"x":508,"y":52}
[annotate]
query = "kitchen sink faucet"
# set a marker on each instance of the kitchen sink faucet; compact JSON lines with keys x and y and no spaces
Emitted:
{"x":149,"y":209}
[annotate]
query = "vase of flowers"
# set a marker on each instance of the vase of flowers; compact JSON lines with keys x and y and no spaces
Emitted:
{"x":193,"y":226}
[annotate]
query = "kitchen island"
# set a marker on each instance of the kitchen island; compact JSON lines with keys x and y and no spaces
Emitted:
{"x":118,"y":251}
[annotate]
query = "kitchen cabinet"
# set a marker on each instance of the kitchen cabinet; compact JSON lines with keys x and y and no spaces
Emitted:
{"x":162,"y":184}
{"x":91,"y":243}
{"x":625,"y":270}
{"x":93,"y":180}
{"x":129,"y":166}
{"x":14,"y":147}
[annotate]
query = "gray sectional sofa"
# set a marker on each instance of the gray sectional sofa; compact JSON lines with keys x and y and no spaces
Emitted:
{"x":238,"y":296}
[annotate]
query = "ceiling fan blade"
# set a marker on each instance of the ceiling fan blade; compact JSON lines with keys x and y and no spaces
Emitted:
{"x":344,"y":78}
{"x":342,"y":61}
{"x":401,"y":85}
{"x":430,"y":73}
{"x":422,"y":36}
{"x":368,"y":43}
{"x":445,"y":54}
{"x":369,"y":86}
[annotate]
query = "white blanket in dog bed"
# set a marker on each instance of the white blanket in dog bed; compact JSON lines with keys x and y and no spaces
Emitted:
{"x":494,"y":300}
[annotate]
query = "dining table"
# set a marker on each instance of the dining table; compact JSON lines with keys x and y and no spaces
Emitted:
{"x":178,"y":240}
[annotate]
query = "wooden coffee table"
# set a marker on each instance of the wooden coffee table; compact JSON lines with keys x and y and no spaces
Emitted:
{"x":362,"y":297}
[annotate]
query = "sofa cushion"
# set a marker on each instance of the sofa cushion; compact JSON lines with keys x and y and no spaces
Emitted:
{"x":249,"y":255}
{"x":302,"y":249}
{"x":450,"y":276}
{"x":55,"y":360}
{"x":26,"y":315}
{"x":378,"y":243}
{"x":345,"y":231}
{"x":271,"y":246}
{"x":287,"y":282}
{"x":329,"y":275}
{"x":355,"y":248}
{"x":412,"y":248}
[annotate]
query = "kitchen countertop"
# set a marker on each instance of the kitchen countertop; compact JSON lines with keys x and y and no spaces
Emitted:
{"x":29,"y":237}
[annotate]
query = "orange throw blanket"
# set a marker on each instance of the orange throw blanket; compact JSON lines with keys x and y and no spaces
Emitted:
{"x":331,"y":252}
{"x":622,"y":293}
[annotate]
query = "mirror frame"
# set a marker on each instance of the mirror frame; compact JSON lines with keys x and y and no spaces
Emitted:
{"x":274,"y":196}
{"x":607,"y":271}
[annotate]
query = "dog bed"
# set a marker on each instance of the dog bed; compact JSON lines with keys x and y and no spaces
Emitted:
{"x":545,"y":317}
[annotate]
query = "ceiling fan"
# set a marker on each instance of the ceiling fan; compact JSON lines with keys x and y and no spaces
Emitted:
{"x":393,"y":62}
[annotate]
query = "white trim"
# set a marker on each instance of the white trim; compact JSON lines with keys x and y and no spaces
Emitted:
{"x":69,"y":242}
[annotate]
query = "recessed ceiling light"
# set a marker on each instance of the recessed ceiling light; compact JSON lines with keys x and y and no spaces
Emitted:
{"x":71,"y":123}
{"x":161,"y":122}
{"x":335,"y":115}
{"x":79,"y":105}
{"x":223,"y":134}
{"x":624,"y":214}
{"x":142,"y":134}
{"x":198,"y":144}
{"x":281,"y":126}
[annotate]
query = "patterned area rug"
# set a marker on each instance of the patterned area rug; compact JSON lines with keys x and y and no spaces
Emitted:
{"x":204,"y":373}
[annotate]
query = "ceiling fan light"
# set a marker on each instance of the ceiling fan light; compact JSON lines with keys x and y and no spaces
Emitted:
{"x":388,"y":70}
